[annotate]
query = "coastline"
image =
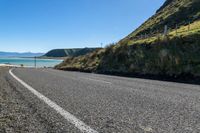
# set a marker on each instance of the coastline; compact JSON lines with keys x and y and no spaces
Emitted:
{"x":8,"y":65}
{"x":28,"y":62}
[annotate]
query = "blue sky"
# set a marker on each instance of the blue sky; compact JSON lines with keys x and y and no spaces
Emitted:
{"x":42,"y":25}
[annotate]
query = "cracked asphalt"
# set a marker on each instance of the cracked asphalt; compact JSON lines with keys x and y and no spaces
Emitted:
{"x":108,"y":104}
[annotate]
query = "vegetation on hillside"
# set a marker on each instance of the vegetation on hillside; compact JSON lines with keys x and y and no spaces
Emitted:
{"x":174,"y":54}
{"x":87,"y":63}
{"x":170,"y":56}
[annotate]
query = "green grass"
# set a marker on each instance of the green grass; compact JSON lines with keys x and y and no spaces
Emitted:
{"x":182,"y":31}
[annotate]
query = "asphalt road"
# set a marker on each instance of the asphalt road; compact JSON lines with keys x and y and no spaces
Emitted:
{"x":111,"y":104}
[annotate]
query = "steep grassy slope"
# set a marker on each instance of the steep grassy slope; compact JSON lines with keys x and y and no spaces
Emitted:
{"x":176,"y":54}
{"x":181,"y":31}
{"x":69,"y":52}
{"x":170,"y":56}
{"x":172,"y":13}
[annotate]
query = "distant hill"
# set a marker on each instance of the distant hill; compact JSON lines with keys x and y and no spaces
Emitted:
{"x":69,"y":52}
{"x":16,"y":54}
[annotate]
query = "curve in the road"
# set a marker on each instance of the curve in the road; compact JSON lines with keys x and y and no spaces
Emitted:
{"x":68,"y":116}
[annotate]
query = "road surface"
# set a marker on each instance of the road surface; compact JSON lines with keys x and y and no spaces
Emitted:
{"x":108,"y":104}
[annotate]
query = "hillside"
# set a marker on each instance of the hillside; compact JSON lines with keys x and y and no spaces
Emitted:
{"x":68,"y":52}
{"x":174,"y":54}
{"x":173,"y":13}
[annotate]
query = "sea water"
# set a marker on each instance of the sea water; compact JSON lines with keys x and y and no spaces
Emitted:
{"x":30,"y":62}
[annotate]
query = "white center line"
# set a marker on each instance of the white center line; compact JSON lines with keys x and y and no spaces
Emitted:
{"x":69,"y":117}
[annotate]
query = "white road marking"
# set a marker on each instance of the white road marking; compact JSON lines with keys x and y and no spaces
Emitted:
{"x":69,"y":117}
{"x":97,"y":80}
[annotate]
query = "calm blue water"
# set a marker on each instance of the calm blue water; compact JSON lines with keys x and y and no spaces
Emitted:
{"x":30,"y":62}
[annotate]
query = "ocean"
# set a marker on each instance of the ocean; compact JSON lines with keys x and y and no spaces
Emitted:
{"x":30,"y":62}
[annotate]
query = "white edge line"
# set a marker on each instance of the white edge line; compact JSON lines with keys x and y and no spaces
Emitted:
{"x":69,"y":117}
